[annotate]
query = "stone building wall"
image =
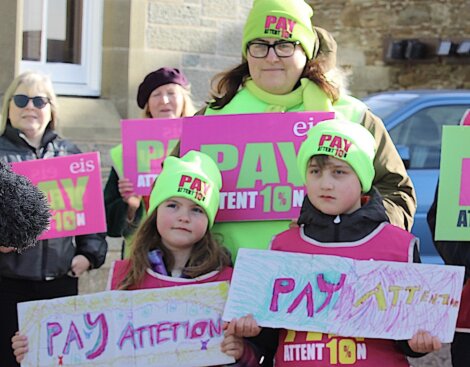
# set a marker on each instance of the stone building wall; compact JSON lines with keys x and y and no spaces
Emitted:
{"x":204,"y":36}
{"x":361,"y":26}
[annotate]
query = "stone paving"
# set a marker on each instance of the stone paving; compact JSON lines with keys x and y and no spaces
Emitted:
{"x":436,"y":359}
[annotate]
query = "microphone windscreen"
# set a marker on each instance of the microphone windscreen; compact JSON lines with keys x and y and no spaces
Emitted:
{"x":24,"y":210}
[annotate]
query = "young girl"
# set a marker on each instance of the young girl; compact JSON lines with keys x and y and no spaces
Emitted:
{"x":174,"y":246}
{"x":182,"y":208}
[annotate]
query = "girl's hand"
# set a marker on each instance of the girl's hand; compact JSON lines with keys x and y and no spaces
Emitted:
{"x":19,"y":343}
{"x":245,"y":327}
{"x":423,"y":342}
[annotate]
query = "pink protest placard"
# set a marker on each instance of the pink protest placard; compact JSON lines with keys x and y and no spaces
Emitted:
{"x":72,"y":185}
{"x":453,"y":204}
{"x":145,"y":144}
{"x":257,"y":155}
{"x":464,"y":199}
{"x":465,"y":118}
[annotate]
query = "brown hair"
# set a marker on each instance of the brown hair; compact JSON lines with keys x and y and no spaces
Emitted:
{"x":226,"y":84}
{"x":206,"y":255}
{"x":321,"y":160}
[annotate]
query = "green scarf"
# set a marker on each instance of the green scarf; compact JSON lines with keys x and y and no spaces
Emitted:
{"x":309,"y":94}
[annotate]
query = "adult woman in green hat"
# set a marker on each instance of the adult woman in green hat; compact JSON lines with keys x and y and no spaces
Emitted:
{"x":285,"y":67}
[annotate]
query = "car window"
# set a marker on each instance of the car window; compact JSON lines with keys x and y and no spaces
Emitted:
{"x":421,"y":133}
{"x":384,"y":105}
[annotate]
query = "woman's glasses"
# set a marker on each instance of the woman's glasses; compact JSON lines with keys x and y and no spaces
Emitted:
{"x":260,"y":50}
{"x":21,"y":101}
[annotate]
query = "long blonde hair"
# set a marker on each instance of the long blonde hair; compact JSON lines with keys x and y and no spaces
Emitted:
{"x":30,"y":79}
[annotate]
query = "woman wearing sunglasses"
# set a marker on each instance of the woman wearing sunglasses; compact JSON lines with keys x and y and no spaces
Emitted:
{"x":51,"y":268}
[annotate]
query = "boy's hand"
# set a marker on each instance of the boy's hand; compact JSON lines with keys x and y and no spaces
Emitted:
{"x":423,"y":342}
{"x":245,"y":327}
{"x":19,"y":343}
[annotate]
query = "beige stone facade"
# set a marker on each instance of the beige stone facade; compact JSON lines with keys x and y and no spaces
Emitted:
{"x":203,"y":37}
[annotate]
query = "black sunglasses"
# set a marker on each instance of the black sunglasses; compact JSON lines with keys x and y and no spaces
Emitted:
{"x":21,"y":101}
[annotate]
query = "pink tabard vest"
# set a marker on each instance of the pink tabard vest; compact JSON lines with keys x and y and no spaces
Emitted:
{"x":310,"y":349}
{"x":155,"y":280}
{"x":463,"y":320}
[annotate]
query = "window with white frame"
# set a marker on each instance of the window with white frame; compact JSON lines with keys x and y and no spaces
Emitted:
{"x":62,"y":38}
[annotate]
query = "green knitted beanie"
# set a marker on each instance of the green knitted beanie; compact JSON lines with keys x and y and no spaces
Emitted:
{"x":195,"y":176}
{"x":345,"y":140}
{"x":282,"y":19}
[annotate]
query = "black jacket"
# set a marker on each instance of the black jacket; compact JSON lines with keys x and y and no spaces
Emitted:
{"x":116,"y":210}
{"x":453,"y":252}
{"x":49,"y":258}
{"x":328,"y":228}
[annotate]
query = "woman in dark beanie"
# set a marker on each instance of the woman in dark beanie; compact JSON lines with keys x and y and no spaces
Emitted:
{"x":164,"y":93}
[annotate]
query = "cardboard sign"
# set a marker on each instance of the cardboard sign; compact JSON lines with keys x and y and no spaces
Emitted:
{"x":337,"y":295}
{"x":72,"y":185}
{"x":256,"y":154}
{"x":465,"y":121}
{"x":146,"y":143}
{"x":453,"y":205}
{"x":176,"y":326}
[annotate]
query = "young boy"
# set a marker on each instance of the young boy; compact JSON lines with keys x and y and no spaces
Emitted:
{"x":341,"y":215}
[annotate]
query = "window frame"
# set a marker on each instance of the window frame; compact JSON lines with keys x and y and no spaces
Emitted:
{"x":82,"y":79}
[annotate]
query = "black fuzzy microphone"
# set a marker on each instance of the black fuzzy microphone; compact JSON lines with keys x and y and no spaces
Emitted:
{"x":24,"y":211}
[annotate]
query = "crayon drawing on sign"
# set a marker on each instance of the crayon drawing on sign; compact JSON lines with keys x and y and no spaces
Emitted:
{"x":176,"y":326}
{"x":338,"y":295}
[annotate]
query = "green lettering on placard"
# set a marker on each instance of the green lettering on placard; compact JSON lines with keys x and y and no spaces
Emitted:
{"x":75,"y":193}
{"x":148,"y":150}
{"x":54,"y":196}
{"x":289,"y":157}
{"x":171,"y":145}
{"x":259,"y":164}
{"x":225,"y":155}
{"x":65,"y":221}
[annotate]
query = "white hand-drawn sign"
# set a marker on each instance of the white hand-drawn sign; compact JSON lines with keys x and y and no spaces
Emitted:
{"x":337,"y":295}
{"x":177,"y":326}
